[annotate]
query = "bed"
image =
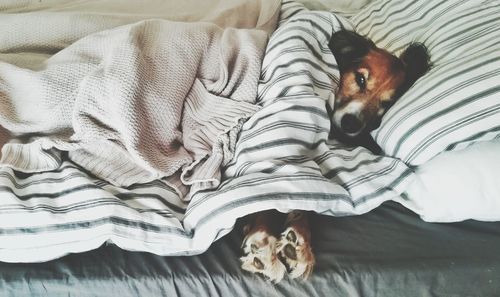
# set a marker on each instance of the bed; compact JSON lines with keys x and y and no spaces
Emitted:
{"x":440,"y":146}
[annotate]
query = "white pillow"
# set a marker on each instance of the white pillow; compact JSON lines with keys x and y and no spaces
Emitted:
{"x":458,"y":185}
{"x":458,"y":102}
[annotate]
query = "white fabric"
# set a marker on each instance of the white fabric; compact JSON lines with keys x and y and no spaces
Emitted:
{"x":283,"y":160}
{"x":458,"y":185}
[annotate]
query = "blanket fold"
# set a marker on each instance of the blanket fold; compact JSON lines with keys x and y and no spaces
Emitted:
{"x":151,"y":100}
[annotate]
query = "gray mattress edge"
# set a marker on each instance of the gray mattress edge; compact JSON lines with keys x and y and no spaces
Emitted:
{"x":387,"y":252}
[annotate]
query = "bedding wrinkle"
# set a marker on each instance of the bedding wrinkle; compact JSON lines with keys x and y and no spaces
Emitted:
{"x":150,"y":100}
{"x":122,"y":74}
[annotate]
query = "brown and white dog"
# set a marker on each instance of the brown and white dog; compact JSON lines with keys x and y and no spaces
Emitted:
{"x":371,"y":80}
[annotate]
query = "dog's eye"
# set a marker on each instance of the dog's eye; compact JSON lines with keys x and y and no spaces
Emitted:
{"x":360,"y":80}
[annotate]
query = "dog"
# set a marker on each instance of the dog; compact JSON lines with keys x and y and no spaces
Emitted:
{"x":371,"y":80}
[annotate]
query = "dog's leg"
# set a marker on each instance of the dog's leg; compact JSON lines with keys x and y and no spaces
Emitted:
{"x":259,"y":245}
{"x":294,"y":245}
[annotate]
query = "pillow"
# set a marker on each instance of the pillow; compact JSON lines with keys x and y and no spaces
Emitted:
{"x":457,"y":103}
{"x":457,"y":186}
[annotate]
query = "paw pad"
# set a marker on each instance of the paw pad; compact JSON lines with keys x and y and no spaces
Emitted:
{"x":291,"y":236}
{"x":295,"y":253}
{"x":290,"y":252}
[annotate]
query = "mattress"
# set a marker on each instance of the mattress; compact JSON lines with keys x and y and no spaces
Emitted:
{"x":387,"y":252}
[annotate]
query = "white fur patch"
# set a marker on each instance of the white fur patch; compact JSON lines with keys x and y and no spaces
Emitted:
{"x":386,"y":95}
{"x":353,"y":107}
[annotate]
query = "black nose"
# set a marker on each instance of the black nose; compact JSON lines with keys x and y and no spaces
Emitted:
{"x":350,"y":123}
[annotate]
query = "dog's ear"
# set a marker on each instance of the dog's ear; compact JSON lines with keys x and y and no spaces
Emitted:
{"x":349,"y":47}
{"x":416,"y":61}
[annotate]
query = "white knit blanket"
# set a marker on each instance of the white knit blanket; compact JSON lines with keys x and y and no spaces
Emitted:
{"x":155,"y":99}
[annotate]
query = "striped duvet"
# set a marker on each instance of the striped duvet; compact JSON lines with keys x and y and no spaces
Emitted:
{"x":283,"y":160}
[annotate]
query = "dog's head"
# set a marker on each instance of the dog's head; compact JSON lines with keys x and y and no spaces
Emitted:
{"x":371,"y":80}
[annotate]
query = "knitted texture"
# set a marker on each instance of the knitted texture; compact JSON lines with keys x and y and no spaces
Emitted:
{"x":151,"y":100}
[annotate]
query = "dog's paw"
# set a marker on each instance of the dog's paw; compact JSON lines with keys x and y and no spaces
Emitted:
{"x":294,"y":250}
{"x":259,"y":249}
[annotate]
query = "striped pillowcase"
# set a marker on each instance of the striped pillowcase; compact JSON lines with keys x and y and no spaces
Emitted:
{"x":458,"y":102}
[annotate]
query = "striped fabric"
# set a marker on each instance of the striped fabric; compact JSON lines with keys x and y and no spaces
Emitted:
{"x":283,"y":160}
{"x":458,"y":102}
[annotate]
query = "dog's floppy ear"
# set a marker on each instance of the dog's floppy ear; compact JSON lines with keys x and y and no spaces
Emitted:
{"x":416,"y":61}
{"x":349,"y":47}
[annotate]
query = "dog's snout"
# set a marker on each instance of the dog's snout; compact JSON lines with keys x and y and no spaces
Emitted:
{"x":350,"y":123}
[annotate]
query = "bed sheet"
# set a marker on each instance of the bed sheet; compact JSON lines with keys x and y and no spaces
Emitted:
{"x":387,"y":252}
